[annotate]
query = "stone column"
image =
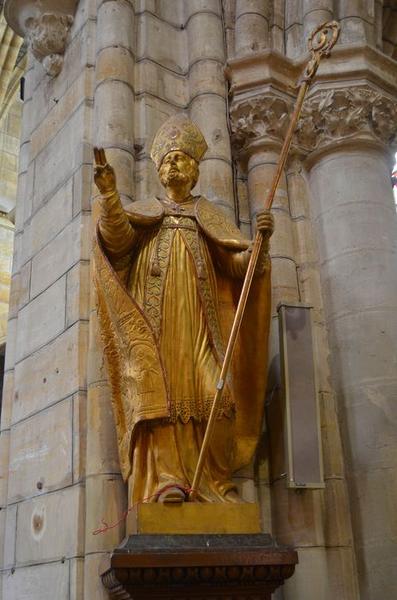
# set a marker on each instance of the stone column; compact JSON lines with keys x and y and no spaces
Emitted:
{"x":316,"y":522}
{"x":315,"y":13}
{"x":6,"y":244}
{"x":252,"y":26}
{"x":355,"y":222}
{"x":48,"y":331}
{"x":114,"y":131}
{"x":208,"y":99}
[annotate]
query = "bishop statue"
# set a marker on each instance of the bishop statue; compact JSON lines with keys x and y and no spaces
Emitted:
{"x":168,"y":273}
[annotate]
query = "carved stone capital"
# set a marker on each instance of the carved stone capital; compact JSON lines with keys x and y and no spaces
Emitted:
{"x":259,"y":121}
{"x":45,"y":24}
{"x":338,"y":115}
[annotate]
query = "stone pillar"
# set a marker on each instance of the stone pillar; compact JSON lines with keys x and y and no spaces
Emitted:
{"x":316,"y":522}
{"x":207,"y":105}
{"x":355,"y":222}
{"x":44,"y":417}
{"x":6,"y":244}
{"x":106,"y":497}
{"x":315,"y":13}
{"x":357,"y":20}
{"x":252,"y":26}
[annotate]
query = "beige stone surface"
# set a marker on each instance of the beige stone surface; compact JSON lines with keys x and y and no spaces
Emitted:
{"x":304,"y":525}
{"x":218,"y":187}
{"x":78,"y":286}
{"x":208,"y":111}
{"x":54,"y":372}
{"x":152,"y":78}
{"x":116,"y":64}
{"x":4,"y":458}
{"x":93,"y":587}
{"x":328,"y":571}
{"x":79,"y":433}
{"x":252,"y":26}
{"x":96,"y":369}
{"x":82,"y":189}
{"x":10,"y":527}
{"x":264,"y":499}
{"x":60,"y":255}
{"x":28,"y":198}
{"x":333,"y":463}
{"x":41,"y":453}
{"x":246,"y":488}
{"x":360,"y":283}
{"x":41,"y":320}
{"x":115,"y":14}
{"x":106,"y":503}
{"x":285,"y":284}
{"x":207,"y":76}
{"x":11,"y":344}
{"x":115,"y":129}
{"x":208,"y":45}
{"x":7,"y":399}
{"x":173,"y":56}
{"x":38,"y":582}
{"x":76,"y":582}
{"x":102,"y":443}
{"x":282,"y":242}
{"x":22,"y":291}
{"x":38,"y":537}
{"x":2,"y":529}
{"x":77,"y":93}
{"x":61,"y":156}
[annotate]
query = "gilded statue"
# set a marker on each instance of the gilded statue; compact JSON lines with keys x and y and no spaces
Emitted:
{"x":168,"y":273}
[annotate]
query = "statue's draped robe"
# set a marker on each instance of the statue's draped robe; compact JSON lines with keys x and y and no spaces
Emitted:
{"x":168,"y":280}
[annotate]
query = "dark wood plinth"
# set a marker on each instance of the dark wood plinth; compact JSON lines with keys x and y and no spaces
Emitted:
{"x":200,"y":567}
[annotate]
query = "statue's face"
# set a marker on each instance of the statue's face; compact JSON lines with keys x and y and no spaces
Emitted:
{"x":178,"y":170}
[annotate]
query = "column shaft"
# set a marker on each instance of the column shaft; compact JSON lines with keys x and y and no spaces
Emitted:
{"x":356,"y":227}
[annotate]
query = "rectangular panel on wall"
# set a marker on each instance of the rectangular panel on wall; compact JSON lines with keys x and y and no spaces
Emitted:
{"x":302,"y":433}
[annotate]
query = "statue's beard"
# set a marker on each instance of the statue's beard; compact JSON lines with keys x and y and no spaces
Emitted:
{"x":175,"y":177}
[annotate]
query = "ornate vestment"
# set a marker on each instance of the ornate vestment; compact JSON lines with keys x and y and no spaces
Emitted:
{"x":168,"y":279}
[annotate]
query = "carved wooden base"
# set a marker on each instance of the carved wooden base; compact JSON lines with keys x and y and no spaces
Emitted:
{"x":200,"y":567}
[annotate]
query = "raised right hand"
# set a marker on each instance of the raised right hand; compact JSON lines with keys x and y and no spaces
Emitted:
{"x":104,"y":176}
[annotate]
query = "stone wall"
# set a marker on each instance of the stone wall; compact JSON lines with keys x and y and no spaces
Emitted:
{"x":11,"y":69}
{"x":128,"y":65}
{"x":44,"y":398}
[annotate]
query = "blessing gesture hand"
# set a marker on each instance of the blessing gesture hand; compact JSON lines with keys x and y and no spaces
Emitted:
{"x":104,"y":176}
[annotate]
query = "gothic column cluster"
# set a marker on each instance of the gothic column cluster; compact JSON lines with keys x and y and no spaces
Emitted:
{"x":335,"y":249}
{"x":354,"y":219}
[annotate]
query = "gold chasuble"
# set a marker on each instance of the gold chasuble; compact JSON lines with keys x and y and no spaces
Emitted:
{"x":168,"y":278}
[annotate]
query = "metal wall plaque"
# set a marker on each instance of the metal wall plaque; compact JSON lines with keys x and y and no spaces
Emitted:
{"x":303,"y":456}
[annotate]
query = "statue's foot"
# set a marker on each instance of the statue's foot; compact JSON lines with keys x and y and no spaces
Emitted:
{"x":172,"y":494}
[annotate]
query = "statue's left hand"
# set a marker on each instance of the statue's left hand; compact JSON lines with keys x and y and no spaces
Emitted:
{"x":265,"y":223}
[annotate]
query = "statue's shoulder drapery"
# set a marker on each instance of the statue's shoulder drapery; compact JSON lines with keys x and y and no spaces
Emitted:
{"x":212,"y":220}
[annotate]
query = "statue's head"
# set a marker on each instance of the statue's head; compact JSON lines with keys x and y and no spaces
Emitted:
{"x":177,"y":150}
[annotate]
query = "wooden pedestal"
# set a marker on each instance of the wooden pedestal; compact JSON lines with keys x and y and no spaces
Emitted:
{"x":199,"y":567}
